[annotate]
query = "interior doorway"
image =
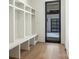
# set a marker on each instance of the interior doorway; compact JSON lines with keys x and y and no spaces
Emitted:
{"x":53,"y":21}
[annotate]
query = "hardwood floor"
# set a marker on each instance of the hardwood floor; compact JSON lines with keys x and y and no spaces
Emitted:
{"x":45,"y":51}
{"x":13,"y":58}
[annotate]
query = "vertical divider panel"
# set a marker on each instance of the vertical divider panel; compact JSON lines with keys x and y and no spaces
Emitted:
{"x":24,"y":21}
{"x":14,"y":19}
{"x":11,"y":25}
{"x":23,"y":33}
{"x":31,"y":22}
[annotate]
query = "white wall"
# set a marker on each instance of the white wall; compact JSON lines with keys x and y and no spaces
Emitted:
{"x":63,"y":21}
{"x":67,"y":27}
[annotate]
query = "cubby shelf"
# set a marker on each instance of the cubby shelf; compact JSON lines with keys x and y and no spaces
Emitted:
{"x":22,"y":27}
{"x":20,"y":41}
{"x":21,"y":9}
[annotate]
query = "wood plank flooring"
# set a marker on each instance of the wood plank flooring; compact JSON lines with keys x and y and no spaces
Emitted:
{"x":45,"y":51}
{"x":13,"y":58}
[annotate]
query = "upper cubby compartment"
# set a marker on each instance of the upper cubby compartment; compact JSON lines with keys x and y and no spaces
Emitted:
{"x":19,"y":4}
{"x":27,"y":8}
{"x":11,"y":2}
{"x":19,"y":24}
{"x":33,"y":11}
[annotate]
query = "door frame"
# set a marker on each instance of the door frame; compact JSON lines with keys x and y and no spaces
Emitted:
{"x":59,"y":21}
